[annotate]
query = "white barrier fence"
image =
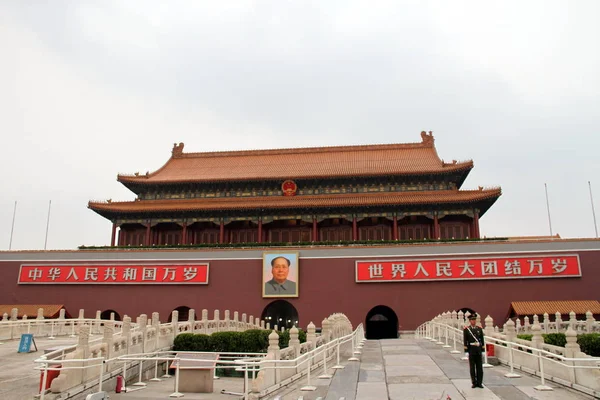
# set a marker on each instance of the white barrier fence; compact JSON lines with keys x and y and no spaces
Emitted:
{"x":564,"y":365}
{"x":92,"y":360}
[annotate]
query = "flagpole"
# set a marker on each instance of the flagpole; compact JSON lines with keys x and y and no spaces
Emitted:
{"x":47,"y":224}
{"x":593,"y":211}
{"x":548,"y":208}
{"x":13,"y":226}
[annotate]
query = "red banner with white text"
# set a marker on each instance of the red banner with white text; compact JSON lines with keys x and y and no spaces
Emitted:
{"x":502,"y":267}
{"x":114,"y":274}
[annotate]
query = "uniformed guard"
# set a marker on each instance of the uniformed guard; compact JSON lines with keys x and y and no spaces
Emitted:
{"x":474,"y":346}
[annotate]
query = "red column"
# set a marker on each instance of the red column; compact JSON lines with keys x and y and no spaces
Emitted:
{"x":112,"y":236}
{"x":476,"y":233}
{"x":222,"y":232}
{"x":259,"y":230}
{"x":184,"y":233}
{"x":395,"y":229}
{"x":436,"y":227}
{"x":148,"y":225}
{"x":354,"y":229}
{"x":315,"y":238}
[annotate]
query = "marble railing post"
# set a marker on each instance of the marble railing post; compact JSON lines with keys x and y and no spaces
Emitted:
{"x":509,"y":331}
{"x":571,"y":351}
{"x":295,"y":341}
{"x":204,"y":321}
{"x":461,"y":320}
{"x":546,"y":322}
{"x":192,"y":319}
{"x":156,"y":326}
{"x":97,"y":322}
{"x":14,"y":330}
{"x":573,"y":321}
{"x":83,"y":348}
{"x":526,"y":324}
{"x":236,"y":322}
{"x":455,"y":319}
{"x":558,"y":321}
{"x":311,"y":335}
{"x":489,"y":325}
{"x":109,"y":331}
{"x":274,"y":352}
{"x":326,"y":330}
{"x":126,"y":332}
{"x":589,"y":322}
{"x":262,"y":324}
{"x":40,"y":325}
{"x":143,"y":325}
{"x":175,"y":323}
{"x":62,"y":322}
{"x":217,"y":320}
{"x":537,"y":340}
{"x":227,"y":321}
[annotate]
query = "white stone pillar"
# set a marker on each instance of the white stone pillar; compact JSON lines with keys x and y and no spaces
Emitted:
{"x":589,"y":322}
{"x":126,"y":333}
{"x":175,"y":324}
{"x":274,"y":352}
{"x":192,"y":319}
{"x":311,"y":335}
{"x":204,"y":321}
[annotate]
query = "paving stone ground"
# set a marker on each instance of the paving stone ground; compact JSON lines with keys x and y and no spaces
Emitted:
{"x":393,"y":369}
{"x":18,"y":378}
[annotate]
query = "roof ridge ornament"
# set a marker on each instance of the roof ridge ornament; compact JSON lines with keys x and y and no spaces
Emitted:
{"x":427,"y":139}
{"x":177,"y":150}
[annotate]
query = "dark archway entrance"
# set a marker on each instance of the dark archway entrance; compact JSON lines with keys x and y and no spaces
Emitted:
{"x":381,"y":323}
{"x":280,"y":313}
{"x":106,"y":315}
{"x":183,"y":313}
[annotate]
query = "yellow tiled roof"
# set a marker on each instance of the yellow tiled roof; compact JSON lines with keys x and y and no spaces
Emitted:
{"x":301,"y":163}
{"x":31,"y":310}
{"x":551,"y":307}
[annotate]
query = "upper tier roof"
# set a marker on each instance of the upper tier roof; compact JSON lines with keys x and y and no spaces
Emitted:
{"x":303,"y":163}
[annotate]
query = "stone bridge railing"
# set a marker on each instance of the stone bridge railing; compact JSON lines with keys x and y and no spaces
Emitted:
{"x":565,"y":365}
{"x":589,"y":325}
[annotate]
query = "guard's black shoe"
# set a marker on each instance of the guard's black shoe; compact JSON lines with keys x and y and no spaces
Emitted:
{"x":480,"y":386}
{"x":473,"y":386}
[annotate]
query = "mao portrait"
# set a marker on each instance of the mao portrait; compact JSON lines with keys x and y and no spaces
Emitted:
{"x":280,"y":275}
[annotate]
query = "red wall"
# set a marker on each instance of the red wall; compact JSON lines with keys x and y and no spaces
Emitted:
{"x":325,"y":286}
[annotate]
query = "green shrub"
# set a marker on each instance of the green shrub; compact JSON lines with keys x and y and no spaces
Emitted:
{"x":525,"y":336}
{"x":225,"y":342}
{"x":250,"y":341}
{"x":255,"y":341}
{"x":555,"y":339}
{"x":183,"y":342}
{"x":590,"y":344}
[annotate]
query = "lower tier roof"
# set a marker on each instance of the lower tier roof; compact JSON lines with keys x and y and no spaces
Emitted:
{"x":482,"y":198}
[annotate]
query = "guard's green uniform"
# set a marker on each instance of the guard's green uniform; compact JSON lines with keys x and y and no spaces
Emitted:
{"x":475,"y":346}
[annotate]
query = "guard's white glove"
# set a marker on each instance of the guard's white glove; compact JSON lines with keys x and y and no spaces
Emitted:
{"x":466,"y":355}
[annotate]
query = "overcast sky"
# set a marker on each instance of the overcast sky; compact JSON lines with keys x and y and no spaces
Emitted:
{"x":90,"y":89}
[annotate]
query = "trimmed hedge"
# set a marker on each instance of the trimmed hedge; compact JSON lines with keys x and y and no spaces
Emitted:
{"x":588,"y":342}
{"x":250,"y":341}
